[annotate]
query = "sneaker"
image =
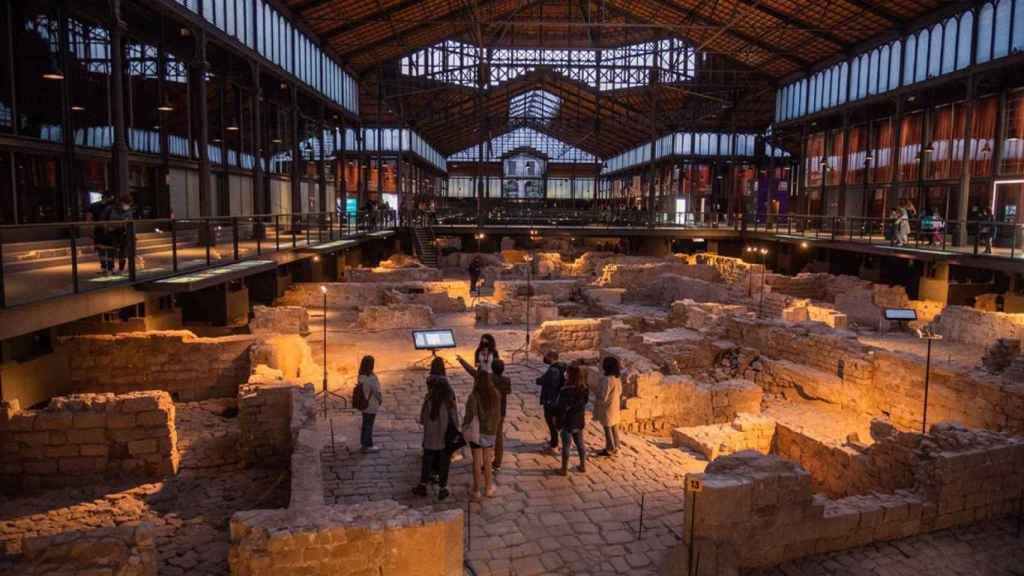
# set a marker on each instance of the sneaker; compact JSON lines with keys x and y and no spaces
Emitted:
{"x":491,"y":491}
{"x":474,"y":496}
{"x":582,"y":468}
{"x":420,"y":490}
{"x":442,"y":494}
{"x":371,"y":449}
{"x":563,"y":471}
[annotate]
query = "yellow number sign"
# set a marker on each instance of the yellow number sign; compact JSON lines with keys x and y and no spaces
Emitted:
{"x":694,"y":484}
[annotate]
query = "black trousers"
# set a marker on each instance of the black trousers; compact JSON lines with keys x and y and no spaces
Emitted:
{"x":435,"y":462}
{"x":551,"y":417}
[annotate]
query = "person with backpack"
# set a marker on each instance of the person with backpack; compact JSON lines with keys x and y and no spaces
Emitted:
{"x":101,"y":237}
{"x":572,"y":410}
{"x":479,"y":427}
{"x":550,"y":383}
{"x":367,"y":398}
{"x":504,"y":385}
{"x":607,"y":403}
{"x":123,"y":210}
{"x":439,"y":414}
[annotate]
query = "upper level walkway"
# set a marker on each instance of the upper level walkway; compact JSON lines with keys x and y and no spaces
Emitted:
{"x":982,"y":243}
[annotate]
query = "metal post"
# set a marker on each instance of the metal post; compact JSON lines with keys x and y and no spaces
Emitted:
{"x":174,"y":247}
{"x":234,"y":235}
{"x":208,"y":240}
{"x":326,"y":393}
{"x":3,"y":287}
{"x":131,"y":251}
{"x":74,"y":258}
{"x":640,"y":532}
{"x":693,"y":539}
{"x":927,"y":374}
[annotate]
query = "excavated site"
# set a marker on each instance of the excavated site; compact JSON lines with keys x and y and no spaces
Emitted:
{"x":792,"y":400}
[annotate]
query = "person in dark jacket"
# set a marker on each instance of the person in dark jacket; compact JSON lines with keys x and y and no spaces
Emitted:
{"x":98,"y":212}
{"x":440,"y":409}
{"x":550,"y":383}
{"x":572,"y":410}
{"x":475,"y":268}
{"x":122,"y":210}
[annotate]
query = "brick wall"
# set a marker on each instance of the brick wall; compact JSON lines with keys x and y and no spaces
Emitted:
{"x":80,"y":438}
{"x":264,"y":422}
{"x":392,"y":274}
{"x":354,"y":295}
{"x":570,"y":335}
{"x":758,"y":511}
{"x":125,"y":550}
{"x":965,"y":324}
{"x":188,"y":367}
{"x":279,"y":320}
{"x":355,"y":540}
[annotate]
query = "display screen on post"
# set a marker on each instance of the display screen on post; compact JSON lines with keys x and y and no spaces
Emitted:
{"x":904,"y":314}
{"x":433,"y":339}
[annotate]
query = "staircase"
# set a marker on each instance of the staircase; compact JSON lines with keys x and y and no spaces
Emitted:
{"x":426,"y":247}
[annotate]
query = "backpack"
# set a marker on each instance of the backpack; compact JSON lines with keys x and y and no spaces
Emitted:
{"x":359,"y":400}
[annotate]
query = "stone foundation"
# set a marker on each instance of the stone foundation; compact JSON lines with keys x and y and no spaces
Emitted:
{"x":964,"y":324}
{"x":558,"y":290}
{"x":745,"y":432}
{"x":570,"y":335}
{"x":758,"y":511}
{"x":264,"y":421}
{"x":279,"y":320}
{"x":287,"y":353}
{"x":372,"y":275}
{"x":355,"y":295}
{"x":186,"y":366}
{"x":125,"y":550}
{"x":358,"y":540}
{"x":396,"y":316}
{"x":81,"y":439}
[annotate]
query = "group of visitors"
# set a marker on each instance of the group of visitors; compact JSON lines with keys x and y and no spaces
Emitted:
{"x":564,"y":395}
{"x":109,"y":236}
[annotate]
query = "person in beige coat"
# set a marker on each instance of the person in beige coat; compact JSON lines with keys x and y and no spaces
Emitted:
{"x":607,"y":402}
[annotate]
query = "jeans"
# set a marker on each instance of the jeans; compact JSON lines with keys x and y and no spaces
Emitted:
{"x":576,"y":436}
{"x":551,"y":417}
{"x":366,"y":437}
{"x":611,"y":438}
{"x":435,"y":462}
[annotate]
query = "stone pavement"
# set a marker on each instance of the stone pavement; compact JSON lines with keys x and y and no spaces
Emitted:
{"x":539,"y":522}
{"x":987,"y":549}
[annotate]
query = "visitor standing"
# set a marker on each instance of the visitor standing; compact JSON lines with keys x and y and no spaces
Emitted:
{"x":550,"y":383}
{"x":369,"y":399}
{"x":572,"y":409}
{"x":439,"y":412}
{"x":608,"y":397}
{"x":475,"y":268}
{"x":123,"y":210}
{"x":987,"y":229}
{"x":99,"y":212}
{"x":486,"y":353}
{"x":902,"y":227}
{"x":479,"y":427}
{"x":504,"y":386}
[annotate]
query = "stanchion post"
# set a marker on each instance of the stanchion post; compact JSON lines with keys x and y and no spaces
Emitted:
{"x":640,"y":532}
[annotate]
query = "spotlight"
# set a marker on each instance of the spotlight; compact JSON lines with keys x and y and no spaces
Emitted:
{"x":316,"y":259}
{"x":53,"y":72}
{"x":764,"y":251}
{"x":232,"y":128}
{"x":323,"y":289}
{"x":929,"y":149}
{"x":77,"y":108}
{"x":803,"y":245}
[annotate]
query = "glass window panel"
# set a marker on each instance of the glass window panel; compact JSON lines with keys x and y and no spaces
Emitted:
{"x":1018,"y":27}
{"x":855,"y":74}
{"x":883,"y":70}
{"x":908,"y":60}
{"x":844,"y":72}
{"x":935,"y":51}
{"x":1001,"y":38}
{"x":963,"y":51}
{"x":921,"y":60}
{"x":894,"y":65}
{"x":949,"y":38}
{"x":873,"y":73}
{"x":985,"y":16}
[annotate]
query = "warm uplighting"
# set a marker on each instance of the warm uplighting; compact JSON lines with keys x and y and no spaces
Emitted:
{"x":479,"y":236}
{"x":323,"y":289}
{"x":316,"y":259}
{"x":803,"y":245}
{"x":53,"y":72}
{"x":764,"y":251}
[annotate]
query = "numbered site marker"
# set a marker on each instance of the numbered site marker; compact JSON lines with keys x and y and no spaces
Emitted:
{"x":694,"y":484}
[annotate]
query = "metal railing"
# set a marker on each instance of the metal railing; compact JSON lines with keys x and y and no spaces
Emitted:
{"x":982,"y":237}
{"x":41,"y":261}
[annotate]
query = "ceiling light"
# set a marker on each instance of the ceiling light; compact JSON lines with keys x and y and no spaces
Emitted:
{"x":1013,"y":139}
{"x":869,"y":157}
{"x":77,"y":108}
{"x":929,"y":149}
{"x":276,"y":141}
{"x":53,"y":73}
{"x":165,"y":106}
{"x":232,"y":128}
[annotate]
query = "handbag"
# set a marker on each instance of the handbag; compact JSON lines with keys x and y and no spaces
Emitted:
{"x":453,"y":438}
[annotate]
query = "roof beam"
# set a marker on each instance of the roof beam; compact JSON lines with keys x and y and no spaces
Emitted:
{"x":368,"y":19}
{"x":675,"y":9}
{"x":309,"y":5}
{"x":792,"y":20}
{"x":881,"y":12}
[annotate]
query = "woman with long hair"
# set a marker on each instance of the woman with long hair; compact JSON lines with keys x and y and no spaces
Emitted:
{"x":439,"y":411}
{"x":486,"y":353}
{"x":607,"y":403}
{"x":572,"y":410}
{"x":369,"y":388}
{"x":480,"y":426}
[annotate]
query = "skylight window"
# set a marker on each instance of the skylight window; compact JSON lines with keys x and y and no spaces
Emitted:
{"x":526,"y":138}
{"x":534,"y":106}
